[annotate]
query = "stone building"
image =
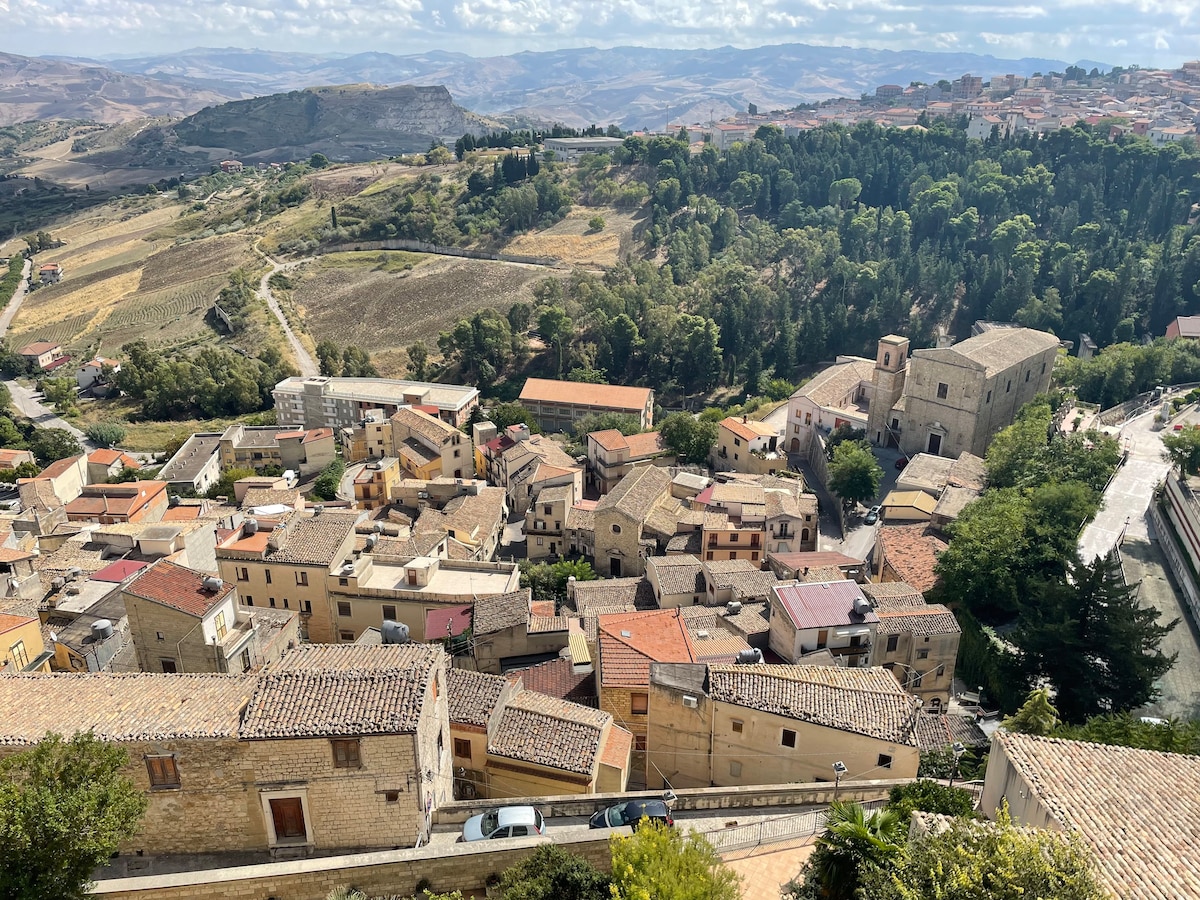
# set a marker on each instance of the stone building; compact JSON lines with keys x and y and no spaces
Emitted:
{"x":237,"y":763}
{"x":947,"y":400}
{"x":557,"y":405}
{"x":612,"y":455}
{"x":622,"y":540}
{"x":727,"y":725}
{"x":918,"y":639}
{"x":745,"y":446}
{"x":833,"y":616}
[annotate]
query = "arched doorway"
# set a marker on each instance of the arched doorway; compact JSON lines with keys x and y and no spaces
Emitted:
{"x":795,"y":445}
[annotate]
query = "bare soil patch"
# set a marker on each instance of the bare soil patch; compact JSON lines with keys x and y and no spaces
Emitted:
{"x":572,"y":241}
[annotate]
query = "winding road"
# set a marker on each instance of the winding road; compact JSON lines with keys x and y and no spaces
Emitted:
{"x":304,"y":361}
{"x":25,"y":400}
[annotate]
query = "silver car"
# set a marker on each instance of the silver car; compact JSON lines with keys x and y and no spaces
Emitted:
{"x":507,"y":821}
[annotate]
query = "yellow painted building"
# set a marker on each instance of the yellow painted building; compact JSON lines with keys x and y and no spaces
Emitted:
{"x":21,"y":645}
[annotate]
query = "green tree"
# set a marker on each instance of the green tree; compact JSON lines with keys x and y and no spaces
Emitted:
{"x":556,"y":329}
{"x":51,"y":444}
{"x":418,"y":361}
{"x":327,"y":483}
{"x":318,"y":161}
{"x":854,"y":474}
{"x":1088,"y":636}
{"x":626,"y":424}
{"x":1183,"y":450}
{"x":106,"y":434}
{"x":985,"y":565}
{"x":931,"y":797}
{"x":548,"y":581}
{"x":62,"y":392}
{"x":10,"y":437}
{"x":989,"y":861}
{"x":1037,"y":716}
{"x":224,"y":485}
{"x":664,"y":863}
{"x":329,"y":357}
{"x":552,"y":873}
{"x":596,"y":223}
{"x":65,"y":807}
{"x":356,"y":363}
{"x":1129,"y":730}
{"x":852,"y":845}
{"x":689,"y":438}
{"x":505,"y":414}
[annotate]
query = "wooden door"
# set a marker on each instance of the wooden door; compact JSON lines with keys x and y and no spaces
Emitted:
{"x":288,"y":814}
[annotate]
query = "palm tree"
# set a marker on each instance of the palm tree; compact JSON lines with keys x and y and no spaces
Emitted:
{"x":852,"y":841}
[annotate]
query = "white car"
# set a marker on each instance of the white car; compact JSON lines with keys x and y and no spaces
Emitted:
{"x":507,"y":821}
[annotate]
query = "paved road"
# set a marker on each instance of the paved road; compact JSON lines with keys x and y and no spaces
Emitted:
{"x":304,"y":360}
{"x":18,"y":297}
{"x":697,"y":820}
{"x":1129,"y":493}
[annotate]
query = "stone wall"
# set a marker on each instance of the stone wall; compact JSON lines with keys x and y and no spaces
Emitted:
{"x":465,"y":867}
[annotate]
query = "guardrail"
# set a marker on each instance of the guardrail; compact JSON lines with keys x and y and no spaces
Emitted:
{"x":773,"y":831}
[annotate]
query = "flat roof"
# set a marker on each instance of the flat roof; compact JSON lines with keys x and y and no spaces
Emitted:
{"x":190,"y":459}
{"x":387,"y":577}
{"x":386,"y":390}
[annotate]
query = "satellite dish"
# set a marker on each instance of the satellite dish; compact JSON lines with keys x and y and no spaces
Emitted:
{"x":53,"y":637}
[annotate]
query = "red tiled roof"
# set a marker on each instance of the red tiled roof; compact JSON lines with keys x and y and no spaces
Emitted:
{"x":317,"y":434}
{"x":646,"y":444}
{"x":447,"y":621}
{"x":107,"y":457}
{"x":177,"y":587}
{"x":8,"y":623}
{"x":630,"y":642}
{"x":58,"y":467}
{"x":814,"y":559}
{"x":118,"y":571}
{"x":609,"y":439}
{"x":61,"y":361}
{"x":181,"y":514}
{"x":558,"y":679}
{"x":579,"y":394}
{"x":37,"y":348}
{"x":747,"y":430}
{"x":616,"y":748}
{"x":912,"y":552}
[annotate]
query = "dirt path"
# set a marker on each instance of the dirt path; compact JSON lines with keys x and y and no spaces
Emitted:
{"x":18,"y":297}
{"x":304,"y":361}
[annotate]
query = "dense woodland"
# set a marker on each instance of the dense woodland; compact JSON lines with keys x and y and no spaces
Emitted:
{"x":784,"y":252}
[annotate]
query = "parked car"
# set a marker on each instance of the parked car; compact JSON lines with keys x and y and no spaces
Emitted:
{"x":872,"y":515}
{"x":631,"y":812}
{"x":507,"y":821}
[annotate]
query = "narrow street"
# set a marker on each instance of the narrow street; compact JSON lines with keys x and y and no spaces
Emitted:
{"x":304,"y":361}
{"x":18,"y":297}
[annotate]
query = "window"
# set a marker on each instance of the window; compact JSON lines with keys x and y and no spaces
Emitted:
{"x":302,"y":579}
{"x":168,"y":666}
{"x":822,"y":638}
{"x":733,"y":538}
{"x":346,"y":754}
{"x":884,"y":761}
{"x":343,"y":581}
{"x":249,"y":601}
{"x":754,"y":557}
{"x":306,"y":607}
{"x":391,"y":796}
{"x":735,"y":456}
{"x":941,"y":670}
{"x":462,"y":748}
{"x":267,"y":572}
{"x":892,"y":641}
{"x":389,"y":612}
{"x":286,"y":605}
{"x":737,"y":443}
{"x":737,"y":725}
{"x":922,"y":654}
{"x":616,"y":529}
{"x":271,"y":600}
{"x":343,"y":608}
{"x":19,"y":655}
{"x":639,"y":704}
{"x":639,"y":743}
{"x":1009,"y":388}
{"x":219,"y":624}
{"x":708,"y":555}
{"x":1026,"y":377}
{"x":539,"y":542}
{"x":164,"y":774}
{"x":989,"y":397}
{"x":808,"y":418}
{"x":457,"y":454}
{"x":347,"y":636}
{"x":887,"y":359}
{"x":160,"y":635}
{"x":242,"y":573}
{"x":735,"y":769}
{"x":943,"y":390}
{"x":546,"y":509}
{"x":789,"y":738}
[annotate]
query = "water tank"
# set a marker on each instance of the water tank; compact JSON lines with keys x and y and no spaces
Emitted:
{"x":102,"y":630}
{"x":372,"y":540}
{"x":733,"y":607}
{"x":377,"y":528}
{"x":394,"y":632}
{"x":318,"y":509}
{"x":173,"y":500}
{"x":749,"y":656}
{"x":213,"y":584}
{"x":861,"y":606}
{"x":250,"y":526}
{"x":74,"y":572}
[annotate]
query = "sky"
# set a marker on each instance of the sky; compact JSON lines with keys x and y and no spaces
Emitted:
{"x":1120,"y":32}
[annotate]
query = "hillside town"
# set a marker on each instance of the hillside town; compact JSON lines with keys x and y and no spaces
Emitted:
{"x":1159,"y":104}
{"x":295,"y":677}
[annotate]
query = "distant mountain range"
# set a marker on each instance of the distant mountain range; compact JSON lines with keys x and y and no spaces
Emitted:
{"x":33,"y":88}
{"x":631,"y":86}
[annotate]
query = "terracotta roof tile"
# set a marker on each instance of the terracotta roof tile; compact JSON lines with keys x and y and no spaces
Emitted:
{"x":493,"y":614}
{"x":630,"y":593}
{"x":580,"y":394}
{"x":472,"y":696}
{"x":648,"y":443}
{"x":862,"y":701}
{"x":937,"y":731}
{"x":892,"y":595}
{"x":912,"y":552}
{"x":678,"y":574}
{"x":610,"y":439}
{"x":549,"y":732}
{"x":558,"y":678}
{"x":125,"y":707}
{"x":358,"y":658}
{"x":312,"y":703}
{"x":178,"y":587}
{"x":617,"y":747}
{"x":638,"y":492}
{"x":630,"y":642}
{"x":919,"y":620}
{"x":1139,"y":810}
{"x":314,"y":540}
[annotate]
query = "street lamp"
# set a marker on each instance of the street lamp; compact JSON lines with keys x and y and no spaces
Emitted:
{"x":839,"y":769}
{"x":958,"y":750}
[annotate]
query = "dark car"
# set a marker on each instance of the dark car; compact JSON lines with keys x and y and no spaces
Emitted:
{"x":631,"y":812}
{"x":901,"y":463}
{"x":872,"y":515}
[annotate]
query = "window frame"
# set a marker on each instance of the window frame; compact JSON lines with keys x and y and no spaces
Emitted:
{"x":167,"y":776}
{"x":783,"y":738}
{"x":343,"y":758}
{"x":634,"y":698}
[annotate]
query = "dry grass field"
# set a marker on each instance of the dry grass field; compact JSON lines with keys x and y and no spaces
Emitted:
{"x":124,"y":282}
{"x":381,"y":311}
{"x":572,"y":241}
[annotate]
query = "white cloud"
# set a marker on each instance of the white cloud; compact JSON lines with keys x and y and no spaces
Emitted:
{"x":1116,"y":31}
